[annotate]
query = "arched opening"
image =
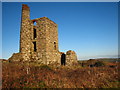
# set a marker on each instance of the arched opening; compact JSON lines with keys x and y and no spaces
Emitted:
{"x":63,"y":59}
{"x":34,"y":23}
{"x":54,"y":45}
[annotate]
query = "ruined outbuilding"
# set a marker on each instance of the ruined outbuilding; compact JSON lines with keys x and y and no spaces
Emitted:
{"x":39,"y":42}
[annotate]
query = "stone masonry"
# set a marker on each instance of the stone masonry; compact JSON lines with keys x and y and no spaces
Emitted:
{"x":39,"y":42}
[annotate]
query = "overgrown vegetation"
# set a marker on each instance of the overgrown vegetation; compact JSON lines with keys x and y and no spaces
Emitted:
{"x":101,"y":75}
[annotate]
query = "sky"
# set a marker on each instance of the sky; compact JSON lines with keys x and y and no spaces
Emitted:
{"x":88,"y":28}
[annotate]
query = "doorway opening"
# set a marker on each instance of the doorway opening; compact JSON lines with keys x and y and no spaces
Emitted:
{"x":63,"y":59}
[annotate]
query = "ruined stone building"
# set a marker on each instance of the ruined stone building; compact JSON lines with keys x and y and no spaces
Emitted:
{"x":39,"y":42}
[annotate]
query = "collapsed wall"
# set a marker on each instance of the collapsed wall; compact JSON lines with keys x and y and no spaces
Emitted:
{"x":71,"y":57}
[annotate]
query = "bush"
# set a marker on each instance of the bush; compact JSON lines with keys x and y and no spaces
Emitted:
{"x":99,"y":63}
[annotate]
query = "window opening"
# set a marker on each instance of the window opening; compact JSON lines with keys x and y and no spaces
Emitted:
{"x":34,"y":44}
{"x":55,"y":45}
{"x":35,"y":33}
{"x":34,"y":23}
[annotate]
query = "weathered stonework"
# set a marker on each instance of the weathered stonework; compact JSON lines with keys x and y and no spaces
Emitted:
{"x":39,"y":42}
{"x":71,"y":57}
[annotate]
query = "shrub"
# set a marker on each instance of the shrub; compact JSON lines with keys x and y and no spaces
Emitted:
{"x":99,"y":63}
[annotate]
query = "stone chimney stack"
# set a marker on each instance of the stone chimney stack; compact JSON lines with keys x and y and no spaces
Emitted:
{"x":25,"y":36}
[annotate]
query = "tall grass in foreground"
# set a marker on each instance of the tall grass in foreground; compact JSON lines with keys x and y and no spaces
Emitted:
{"x":17,"y":75}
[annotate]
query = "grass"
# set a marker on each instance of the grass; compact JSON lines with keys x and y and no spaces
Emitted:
{"x":16,"y":75}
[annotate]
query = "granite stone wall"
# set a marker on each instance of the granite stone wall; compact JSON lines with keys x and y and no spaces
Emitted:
{"x":25,"y":34}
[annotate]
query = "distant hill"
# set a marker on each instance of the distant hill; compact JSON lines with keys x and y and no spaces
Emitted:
{"x":108,"y":59}
{"x":102,"y":59}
